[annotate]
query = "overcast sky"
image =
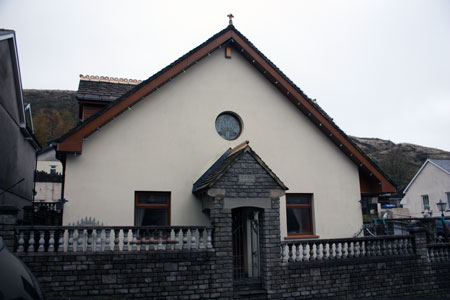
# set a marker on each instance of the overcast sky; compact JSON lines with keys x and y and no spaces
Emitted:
{"x":380,"y":68}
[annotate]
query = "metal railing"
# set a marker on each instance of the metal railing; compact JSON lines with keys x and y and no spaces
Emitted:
{"x":116,"y":238}
{"x":315,"y":250}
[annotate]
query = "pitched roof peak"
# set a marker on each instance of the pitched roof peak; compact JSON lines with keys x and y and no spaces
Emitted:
{"x":238,"y":147}
{"x":109,"y":79}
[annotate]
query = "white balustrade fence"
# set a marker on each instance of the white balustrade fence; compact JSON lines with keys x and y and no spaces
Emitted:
{"x":124,"y":238}
{"x":314,"y":250}
{"x":439,"y":252}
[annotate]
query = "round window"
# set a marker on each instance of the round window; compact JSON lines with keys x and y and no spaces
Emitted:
{"x":228,"y":125}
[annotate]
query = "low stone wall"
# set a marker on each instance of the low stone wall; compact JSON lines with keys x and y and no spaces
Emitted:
{"x":395,"y":274}
{"x":374,"y":268}
{"x":196,"y":275}
{"x":364,"y":278}
{"x":131,"y":275}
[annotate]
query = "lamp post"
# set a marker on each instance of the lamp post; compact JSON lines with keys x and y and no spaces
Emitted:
{"x":441,"y":206}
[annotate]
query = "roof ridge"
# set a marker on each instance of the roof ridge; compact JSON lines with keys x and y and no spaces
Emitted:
{"x":238,"y":148}
{"x":110,"y":79}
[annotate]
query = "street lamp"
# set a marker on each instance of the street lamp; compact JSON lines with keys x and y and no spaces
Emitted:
{"x":441,"y":205}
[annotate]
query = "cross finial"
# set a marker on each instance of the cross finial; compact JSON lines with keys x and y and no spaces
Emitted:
{"x":230,"y":16}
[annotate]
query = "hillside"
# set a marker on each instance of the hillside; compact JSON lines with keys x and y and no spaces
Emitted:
{"x":55,"y":112}
{"x":399,"y":161}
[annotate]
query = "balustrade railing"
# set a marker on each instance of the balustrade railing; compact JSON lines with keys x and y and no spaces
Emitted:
{"x":50,"y":206}
{"x":315,"y":250}
{"x":101,"y":238}
{"x":439,"y":252}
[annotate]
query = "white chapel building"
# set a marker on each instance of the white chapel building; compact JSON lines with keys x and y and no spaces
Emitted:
{"x":143,"y":148}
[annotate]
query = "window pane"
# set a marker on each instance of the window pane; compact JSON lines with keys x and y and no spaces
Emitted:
{"x":297,"y":199}
{"x":426,"y":202}
{"x":145,"y":198}
{"x":298,"y":220}
{"x":52,"y":169}
{"x":152,"y":217}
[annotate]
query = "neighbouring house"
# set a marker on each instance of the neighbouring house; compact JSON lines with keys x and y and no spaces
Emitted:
{"x":430,"y":185}
{"x":48,"y":180}
{"x":221,"y":122}
{"x":18,"y":145}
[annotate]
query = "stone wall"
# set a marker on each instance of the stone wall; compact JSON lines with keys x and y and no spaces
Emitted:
{"x":132,"y":275}
{"x":208,"y":275}
{"x":258,"y":185}
{"x":361,"y":278}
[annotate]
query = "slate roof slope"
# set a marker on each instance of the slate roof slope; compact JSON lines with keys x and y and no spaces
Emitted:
{"x":102,"y":91}
{"x":231,"y":37}
{"x":443,"y":163}
{"x":225,"y":162}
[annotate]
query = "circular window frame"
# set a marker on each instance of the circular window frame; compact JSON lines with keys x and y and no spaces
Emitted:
{"x":237,"y":118}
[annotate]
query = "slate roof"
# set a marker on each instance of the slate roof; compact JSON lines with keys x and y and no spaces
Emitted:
{"x":225,"y":162}
{"x":102,"y":91}
{"x":443,"y":163}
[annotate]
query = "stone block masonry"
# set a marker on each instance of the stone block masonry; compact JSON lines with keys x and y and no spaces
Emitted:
{"x":131,"y":275}
{"x":207,"y":274}
{"x":364,"y":278}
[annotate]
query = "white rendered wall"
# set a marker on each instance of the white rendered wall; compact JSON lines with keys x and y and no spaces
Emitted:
{"x":46,"y":166}
{"x":168,"y":140}
{"x":431,"y":181}
{"x":47,"y":191}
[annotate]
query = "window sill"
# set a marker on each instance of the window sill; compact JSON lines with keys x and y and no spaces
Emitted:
{"x":300,"y":237}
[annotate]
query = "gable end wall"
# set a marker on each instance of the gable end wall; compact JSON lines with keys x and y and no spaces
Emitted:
{"x":431,"y":181}
{"x":168,"y":140}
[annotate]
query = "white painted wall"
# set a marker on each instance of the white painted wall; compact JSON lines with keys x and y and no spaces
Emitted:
{"x":431,"y":181}
{"x":47,"y":191}
{"x":46,"y":166}
{"x":168,"y":140}
{"x":47,"y":159}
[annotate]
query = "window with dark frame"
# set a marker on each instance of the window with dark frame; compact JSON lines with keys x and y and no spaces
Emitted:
{"x":299,"y":214}
{"x":52,"y":169}
{"x":152,"y":209}
{"x":425,"y":202}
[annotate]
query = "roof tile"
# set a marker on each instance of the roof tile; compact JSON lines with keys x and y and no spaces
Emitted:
{"x":443,"y":163}
{"x":102,"y":91}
